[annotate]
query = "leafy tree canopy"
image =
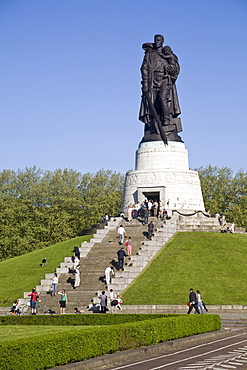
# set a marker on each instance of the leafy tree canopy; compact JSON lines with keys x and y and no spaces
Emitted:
{"x":225,"y":193}
{"x":39,"y":208}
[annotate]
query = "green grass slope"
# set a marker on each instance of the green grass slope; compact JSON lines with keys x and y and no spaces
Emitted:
{"x":214,"y":263}
{"x":22,"y":273}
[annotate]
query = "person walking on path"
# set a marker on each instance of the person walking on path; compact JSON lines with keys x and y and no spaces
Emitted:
{"x":113,"y":301}
{"x":103,"y":302}
{"x":121,"y":232}
{"x":33,"y":300}
{"x":77,"y":273}
{"x":150,"y":230}
{"x":54,"y":284}
{"x":121,"y":254}
{"x":76,"y":252}
{"x":63,"y":301}
{"x":119,"y":301}
{"x":145,"y":216}
{"x":129,"y":213}
{"x":129,"y":246}
{"x":199,"y":301}
{"x":192,"y":302}
{"x":109,"y":272}
{"x":76,"y":262}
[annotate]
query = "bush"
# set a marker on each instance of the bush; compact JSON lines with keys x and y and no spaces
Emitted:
{"x":47,"y":351}
{"x":72,"y":319}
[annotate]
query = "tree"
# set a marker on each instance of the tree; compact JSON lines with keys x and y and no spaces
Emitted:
{"x":101,"y":193}
{"x":225,"y":193}
{"x":39,"y":208}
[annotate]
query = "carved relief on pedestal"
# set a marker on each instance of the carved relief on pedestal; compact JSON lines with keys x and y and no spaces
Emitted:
{"x":160,"y":148}
{"x":161,"y":178}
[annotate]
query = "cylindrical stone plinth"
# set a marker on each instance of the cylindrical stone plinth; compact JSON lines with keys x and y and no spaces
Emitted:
{"x":162,"y":173}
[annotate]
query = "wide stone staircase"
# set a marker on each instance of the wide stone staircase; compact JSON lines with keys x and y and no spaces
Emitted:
{"x":101,"y":252}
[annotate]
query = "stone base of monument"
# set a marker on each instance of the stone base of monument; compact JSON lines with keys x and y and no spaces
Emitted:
{"x":162,"y":173}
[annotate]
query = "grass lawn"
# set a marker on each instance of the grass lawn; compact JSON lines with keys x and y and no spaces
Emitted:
{"x":21,"y":274}
{"x":214,"y":263}
{"x":13,"y":332}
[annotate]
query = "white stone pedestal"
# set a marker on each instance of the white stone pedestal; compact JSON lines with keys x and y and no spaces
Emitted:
{"x":162,"y":172}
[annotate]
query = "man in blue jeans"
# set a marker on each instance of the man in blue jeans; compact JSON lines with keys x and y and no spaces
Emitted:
{"x":193,"y":302}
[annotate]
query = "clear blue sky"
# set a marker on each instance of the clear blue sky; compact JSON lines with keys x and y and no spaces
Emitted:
{"x":70,"y":80}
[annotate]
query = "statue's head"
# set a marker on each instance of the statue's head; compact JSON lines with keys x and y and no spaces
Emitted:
{"x":158,"y":41}
{"x":167,"y":50}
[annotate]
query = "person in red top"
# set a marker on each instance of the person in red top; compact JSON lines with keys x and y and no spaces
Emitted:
{"x":33,"y":299}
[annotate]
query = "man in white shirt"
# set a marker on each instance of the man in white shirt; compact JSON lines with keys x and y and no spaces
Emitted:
{"x":108,"y":272}
{"x":121,"y":232}
{"x":113,"y":298}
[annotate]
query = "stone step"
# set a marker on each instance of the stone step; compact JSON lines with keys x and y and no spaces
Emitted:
{"x":102,"y":232}
{"x":119,"y":287}
{"x":61,"y":270}
{"x":154,"y":248}
{"x":137,"y":268}
{"x":137,"y":257}
{"x":124,"y":274}
{"x":147,"y":252}
{"x":233,"y":322}
{"x":122,"y":280}
{"x":86,"y":245}
{"x":66,"y":264}
{"x":135,"y":265}
{"x":96,"y":240}
{"x":49,"y":276}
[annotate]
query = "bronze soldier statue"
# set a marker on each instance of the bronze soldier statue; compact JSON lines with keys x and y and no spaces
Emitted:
{"x":159,"y":106}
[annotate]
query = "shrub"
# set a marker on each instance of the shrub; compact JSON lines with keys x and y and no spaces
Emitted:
{"x":46,"y":351}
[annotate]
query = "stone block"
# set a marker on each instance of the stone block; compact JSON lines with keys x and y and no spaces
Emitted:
{"x":86,"y":245}
{"x":26,"y":294}
{"x":42,"y":288}
{"x":96,"y":240}
{"x":66,"y":264}
{"x":62,"y":270}
{"x":46,"y":282}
